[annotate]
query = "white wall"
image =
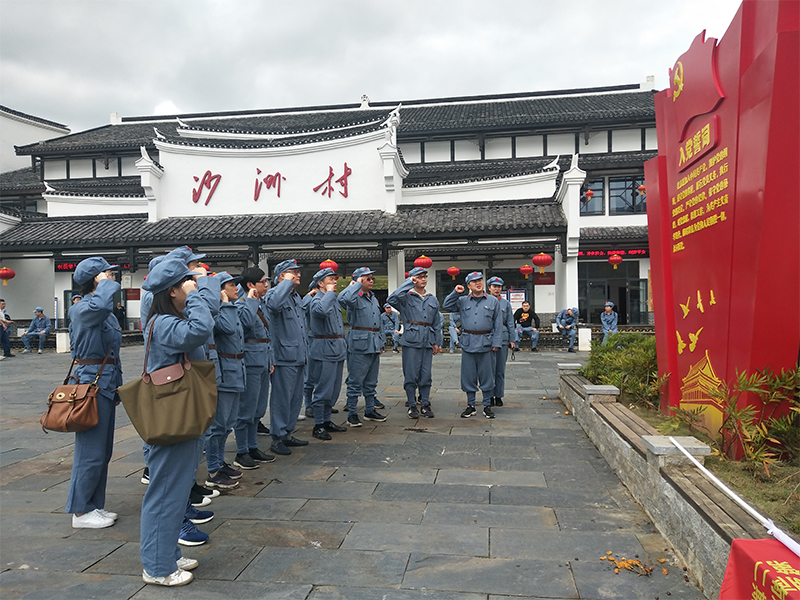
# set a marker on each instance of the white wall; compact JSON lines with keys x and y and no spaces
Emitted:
{"x":561,"y":143}
{"x":411,"y":152}
{"x":467,"y":150}
{"x":530,"y":145}
{"x":437,"y":151}
{"x":55,"y":169}
{"x":66,"y":206}
{"x":33,"y":286}
{"x":626,"y":140}
{"x":598,"y":143}
{"x":537,"y":185}
{"x":16,"y":132}
{"x":498,"y":148}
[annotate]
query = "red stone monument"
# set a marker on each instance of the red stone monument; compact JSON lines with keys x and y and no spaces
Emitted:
{"x":723,"y":200}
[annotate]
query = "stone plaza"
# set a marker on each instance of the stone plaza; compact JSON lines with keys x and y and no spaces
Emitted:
{"x":522,"y":506}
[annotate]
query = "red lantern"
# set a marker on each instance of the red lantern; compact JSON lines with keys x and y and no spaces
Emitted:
{"x":526,"y":270}
{"x":587,"y":197}
{"x":642,"y":189}
{"x":329,"y":264}
{"x":615,"y":259}
{"x":424,"y":262}
{"x":542,"y":260}
{"x":406,"y":274}
{"x":453,"y":272}
{"x":6,"y":274}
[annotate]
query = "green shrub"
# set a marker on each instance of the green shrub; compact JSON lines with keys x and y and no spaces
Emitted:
{"x":627,"y":361}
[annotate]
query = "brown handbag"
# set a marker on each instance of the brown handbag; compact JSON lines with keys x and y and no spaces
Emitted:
{"x":73,"y":406}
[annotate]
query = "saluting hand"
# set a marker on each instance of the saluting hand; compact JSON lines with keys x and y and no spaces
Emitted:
{"x":223,"y":297}
{"x":460,"y":289}
{"x":330,"y":287}
{"x":252,"y":293}
{"x":189,"y":285}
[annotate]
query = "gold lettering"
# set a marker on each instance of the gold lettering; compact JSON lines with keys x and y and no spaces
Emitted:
{"x":706,"y":134}
{"x":677,"y":247}
{"x":723,"y":169}
{"x":696,"y":143}
{"x":677,"y":210}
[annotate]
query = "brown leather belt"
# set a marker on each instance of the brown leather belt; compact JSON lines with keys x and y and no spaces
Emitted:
{"x":477,"y":332}
{"x":256,"y":341}
{"x":226,"y":355}
{"x":95,"y":361}
{"x":420,"y":323}
{"x":212,"y":346}
{"x":365,"y":328}
{"x":328,"y":337}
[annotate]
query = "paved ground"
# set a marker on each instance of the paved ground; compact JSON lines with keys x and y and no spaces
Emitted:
{"x":438,"y":509}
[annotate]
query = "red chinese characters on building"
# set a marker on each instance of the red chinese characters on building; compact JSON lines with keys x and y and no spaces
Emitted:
{"x":327,"y":185}
{"x":270,"y":181}
{"x":209,"y":182}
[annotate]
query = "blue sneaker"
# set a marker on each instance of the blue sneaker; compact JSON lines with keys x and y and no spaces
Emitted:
{"x":190,"y":535}
{"x":198,"y":517}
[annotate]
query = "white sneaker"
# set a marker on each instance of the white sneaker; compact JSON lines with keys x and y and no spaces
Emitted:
{"x":107,"y":514}
{"x":40,"y":352}
{"x":301,"y":416}
{"x":187,"y":564}
{"x":179,"y":577}
{"x":91,"y":520}
{"x":26,"y":351}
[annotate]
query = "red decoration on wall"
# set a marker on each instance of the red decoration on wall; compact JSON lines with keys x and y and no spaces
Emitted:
{"x":587,"y":197}
{"x":453,"y":272}
{"x":329,"y":264}
{"x":615,"y":259}
{"x":424,"y":262}
{"x":270,"y":181}
{"x":209,"y":182}
{"x":526,"y":270}
{"x":342,"y":181}
{"x":6,"y":274}
{"x":542,"y":260}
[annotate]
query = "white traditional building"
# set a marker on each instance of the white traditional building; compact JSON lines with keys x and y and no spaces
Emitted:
{"x":481,"y":182}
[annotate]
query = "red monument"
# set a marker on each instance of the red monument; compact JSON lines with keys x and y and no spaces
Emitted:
{"x":724,"y":207}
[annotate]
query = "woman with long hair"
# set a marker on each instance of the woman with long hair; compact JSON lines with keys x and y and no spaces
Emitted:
{"x":180,"y":322}
{"x":95,"y":338}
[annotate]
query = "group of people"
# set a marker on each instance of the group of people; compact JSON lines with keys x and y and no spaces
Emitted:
{"x":271,"y":348}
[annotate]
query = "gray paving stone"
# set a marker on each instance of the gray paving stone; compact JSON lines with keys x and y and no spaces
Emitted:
{"x":271,"y":509}
{"x":323,"y":490}
{"x":562,"y":545}
{"x":222,"y":590}
{"x":36,"y":483}
{"x":489,"y":575}
{"x":369,"y":511}
{"x":589,"y":519}
{"x":29,"y":502}
{"x":505,"y":463}
{"x":597,"y":580}
{"x":536,"y":496}
{"x":395,"y":475}
{"x":349,"y":593}
{"x":55,"y":555}
{"x":433,"y":539}
{"x":355,"y":568}
{"x":535,"y":518}
{"x":281,"y":533}
{"x":46,"y":585}
{"x":465,"y":477}
{"x":423,"y":492}
{"x":34,"y":525}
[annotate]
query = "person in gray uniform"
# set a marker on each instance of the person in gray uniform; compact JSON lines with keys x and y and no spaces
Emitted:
{"x":39,"y":329}
{"x":567,"y":322}
{"x":365,"y":342}
{"x":308,"y":384}
{"x":453,"y":320}
{"x":422,"y":338}
{"x":481,"y":338}
{"x":390,"y":324}
{"x":509,"y":339}
{"x":327,"y":353}
{"x":290,"y":352}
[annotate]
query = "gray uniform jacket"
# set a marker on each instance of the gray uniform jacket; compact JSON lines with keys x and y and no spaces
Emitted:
{"x":422,"y":321}
{"x":478,"y":314}
{"x":364,"y":316}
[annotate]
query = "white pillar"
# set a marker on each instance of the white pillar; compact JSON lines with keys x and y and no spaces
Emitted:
{"x":397,"y":268}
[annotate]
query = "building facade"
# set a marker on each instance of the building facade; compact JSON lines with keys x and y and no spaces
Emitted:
{"x":479,"y":183}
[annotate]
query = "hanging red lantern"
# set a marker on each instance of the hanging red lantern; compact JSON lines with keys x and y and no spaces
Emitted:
{"x":406,"y":274}
{"x":424,"y":262}
{"x":642,"y":189}
{"x":6,"y":274}
{"x":526,"y":270}
{"x":329,"y":264}
{"x":542,"y":260}
{"x":587,"y":197}
{"x":453,"y":272}
{"x":615,"y":259}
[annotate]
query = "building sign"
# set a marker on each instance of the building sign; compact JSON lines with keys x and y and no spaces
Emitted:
{"x":635,"y":253}
{"x":133,"y":294}
{"x":723,"y":230}
{"x":546,"y":278}
{"x":68,"y":267}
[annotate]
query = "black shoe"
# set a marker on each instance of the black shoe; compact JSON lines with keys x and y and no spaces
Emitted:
{"x":396,"y":351}
{"x":498,"y":402}
{"x":468,"y":412}
{"x":571,"y":350}
{"x":334,"y":411}
{"x":244,"y":461}
{"x":9,"y":355}
{"x":488,"y":413}
{"x":329,"y":426}
{"x":413,"y":413}
{"x":427,"y":411}
{"x":534,"y":349}
{"x":279,"y":448}
{"x":257,"y":455}
{"x":293,"y":441}
{"x":197,"y":500}
{"x":491,"y":401}
{"x":378,"y":404}
{"x":374,"y":416}
{"x":262,"y":429}
{"x":320,"y":433}
{"x":145,"y":476}
{"x":204,"y":491}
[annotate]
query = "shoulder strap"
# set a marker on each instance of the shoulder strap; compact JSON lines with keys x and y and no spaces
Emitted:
{"x":263,"y":320}
{"x":145,"y":376}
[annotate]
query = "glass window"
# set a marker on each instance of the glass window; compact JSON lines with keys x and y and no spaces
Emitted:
{"x":595,"y":206}
{"x":624,"y":197}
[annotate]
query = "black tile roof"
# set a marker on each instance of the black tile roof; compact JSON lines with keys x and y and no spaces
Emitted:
{"x":122,"y":187}
{"x":631,"y":232}
{"x":23,"y":115}
{"x":414,"y":222}
{"x":20,"y":180}
{"x":418,"y":119}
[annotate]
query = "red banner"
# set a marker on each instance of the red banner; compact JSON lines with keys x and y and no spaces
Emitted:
{"x":761,"y":570}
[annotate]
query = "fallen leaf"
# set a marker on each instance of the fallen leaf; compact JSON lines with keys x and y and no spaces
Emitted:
{"x":662,"y":560}
{"x":664,"y":571}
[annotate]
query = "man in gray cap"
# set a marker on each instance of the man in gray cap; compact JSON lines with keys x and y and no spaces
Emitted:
{"x":567,"y":323}
{"x":365,"y":343}
{"x":39,"y":328}
{"x":289,"y":352}
{"x":390,"y":323}
{"x":422,"y":338}
{"x":510,"y":337}
{"x":327,"y":353}
{"x":481,"y":337}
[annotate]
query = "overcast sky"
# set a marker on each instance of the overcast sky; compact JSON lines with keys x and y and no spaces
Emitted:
{"x":76,"y":61}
